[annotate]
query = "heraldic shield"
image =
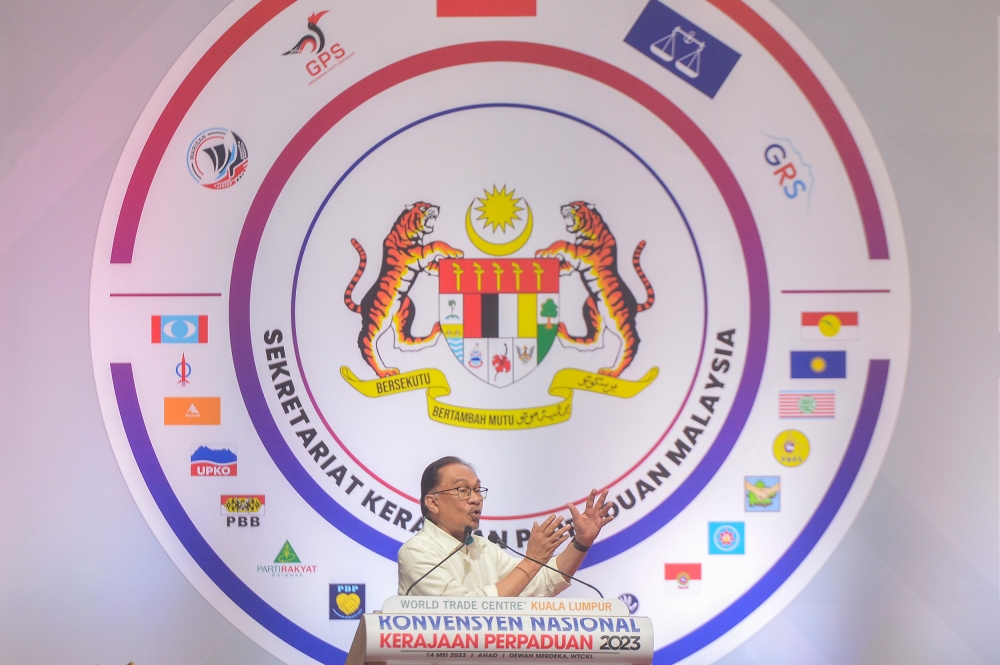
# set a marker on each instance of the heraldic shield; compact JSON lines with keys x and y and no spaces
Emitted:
{"x":500,"y":316}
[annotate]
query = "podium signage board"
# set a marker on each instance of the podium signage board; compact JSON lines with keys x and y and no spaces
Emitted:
{"x":426,"y":630}
{"x":569,"y":606}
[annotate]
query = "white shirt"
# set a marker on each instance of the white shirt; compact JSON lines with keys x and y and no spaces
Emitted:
{"x":472,"y":571}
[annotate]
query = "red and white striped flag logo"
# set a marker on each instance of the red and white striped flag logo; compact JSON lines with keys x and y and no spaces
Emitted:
{"x":816,"y":404}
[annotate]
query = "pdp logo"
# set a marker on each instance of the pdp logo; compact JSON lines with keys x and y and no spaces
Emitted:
{"x":217,"y":158}
{"x":347,"y":601}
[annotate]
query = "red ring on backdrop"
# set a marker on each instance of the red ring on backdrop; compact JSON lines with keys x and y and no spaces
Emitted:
{"x":440,"y":58}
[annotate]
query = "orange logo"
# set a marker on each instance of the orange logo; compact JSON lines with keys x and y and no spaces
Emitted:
{"x":192,"y":410}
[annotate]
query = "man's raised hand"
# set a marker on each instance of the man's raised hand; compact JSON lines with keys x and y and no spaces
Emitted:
{"x":594,"y":517}
{"x":546,"y":537}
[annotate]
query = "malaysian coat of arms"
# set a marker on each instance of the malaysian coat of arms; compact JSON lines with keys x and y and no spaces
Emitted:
{"x":500,"y":314}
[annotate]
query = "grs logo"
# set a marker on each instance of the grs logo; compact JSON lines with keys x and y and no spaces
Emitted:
{"x":793,"y":175}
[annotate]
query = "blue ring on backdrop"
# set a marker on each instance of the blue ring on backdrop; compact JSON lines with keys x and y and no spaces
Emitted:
{"x":278,"y":624}
{"x":192,"y":540}
{"x":627,"y":538}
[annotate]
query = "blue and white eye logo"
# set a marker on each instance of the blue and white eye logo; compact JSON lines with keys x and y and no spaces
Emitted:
{"x":179,"y":329}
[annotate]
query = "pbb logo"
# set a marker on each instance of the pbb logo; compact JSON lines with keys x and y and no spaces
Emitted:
{"x":207,"y":461}
{"x":242,"y":510}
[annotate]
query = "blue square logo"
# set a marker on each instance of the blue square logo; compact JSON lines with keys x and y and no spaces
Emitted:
{"x":682,"y":48}
{"x":347,"y":601}
{"x":726,"y":538}
{"x":819,"y":364}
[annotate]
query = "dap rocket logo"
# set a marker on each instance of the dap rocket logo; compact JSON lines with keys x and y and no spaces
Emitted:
{"x":314,"y":43}
{"x":217,"y":158}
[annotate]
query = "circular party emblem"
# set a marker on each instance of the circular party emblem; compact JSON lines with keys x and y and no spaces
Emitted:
{"x":217,"y":158}
{"x":649,"y":248}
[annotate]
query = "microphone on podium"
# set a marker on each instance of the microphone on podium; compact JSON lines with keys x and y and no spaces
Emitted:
{"x":467,"y":541}
{"x":495,"y":539}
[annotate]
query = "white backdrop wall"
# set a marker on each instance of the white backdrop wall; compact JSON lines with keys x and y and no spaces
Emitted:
{"x":916,"y":580}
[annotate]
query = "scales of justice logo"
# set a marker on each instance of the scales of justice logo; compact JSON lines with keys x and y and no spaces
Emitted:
{"x":500,"y":315}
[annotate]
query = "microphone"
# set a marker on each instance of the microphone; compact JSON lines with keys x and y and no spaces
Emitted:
{"x":468,"y":541}
{"x":495,"y":539}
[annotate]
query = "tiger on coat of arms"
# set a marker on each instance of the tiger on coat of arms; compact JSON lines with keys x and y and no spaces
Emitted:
{"x":610,"y":304}
{"x":387,"y":305}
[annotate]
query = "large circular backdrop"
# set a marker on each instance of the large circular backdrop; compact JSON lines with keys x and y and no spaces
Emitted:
{"x":644,"y":246}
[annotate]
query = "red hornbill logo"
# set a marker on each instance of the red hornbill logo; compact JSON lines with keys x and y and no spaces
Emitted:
{"x":316,"y":43}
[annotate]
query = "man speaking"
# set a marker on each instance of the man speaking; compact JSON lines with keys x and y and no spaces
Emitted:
{"x":451,"y":500}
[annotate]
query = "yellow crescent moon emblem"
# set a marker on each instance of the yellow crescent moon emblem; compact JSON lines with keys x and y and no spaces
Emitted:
{"x":498,"y":248}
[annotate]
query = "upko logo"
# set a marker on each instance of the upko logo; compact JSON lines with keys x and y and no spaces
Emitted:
{"x":242,"y":510}
{"x":208,"y":462}
{"x":313,"y":43}
{"x":217,"y":158}
{"x":287,"y":564}
{"x":347,"y":601}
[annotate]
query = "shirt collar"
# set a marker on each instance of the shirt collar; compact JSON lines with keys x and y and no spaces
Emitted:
{"x":443,"y":537}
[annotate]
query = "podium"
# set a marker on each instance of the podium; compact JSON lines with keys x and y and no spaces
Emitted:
{"x":422,"y":629}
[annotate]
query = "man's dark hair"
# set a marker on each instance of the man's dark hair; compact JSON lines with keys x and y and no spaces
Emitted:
{"x":432,"y":476}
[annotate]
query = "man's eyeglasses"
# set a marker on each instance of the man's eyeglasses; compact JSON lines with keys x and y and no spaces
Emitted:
{"x":465,"y":493}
